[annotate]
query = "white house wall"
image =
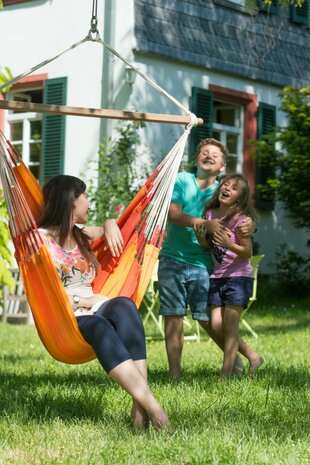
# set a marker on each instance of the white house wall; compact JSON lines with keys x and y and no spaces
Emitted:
{"x":33,"y":32}
{"x":275,"y":228}
{"x":36,"y":31}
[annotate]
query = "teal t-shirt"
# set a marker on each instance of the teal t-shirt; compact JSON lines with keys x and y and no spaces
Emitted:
{"x":181,"y":243}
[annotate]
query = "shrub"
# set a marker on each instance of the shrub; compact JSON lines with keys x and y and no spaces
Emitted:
{"x":292,"y":274}
{"x":117,"y":174}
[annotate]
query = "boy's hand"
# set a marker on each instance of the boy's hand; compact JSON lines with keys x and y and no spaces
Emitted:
{"x":246,"y":228}
{"x":200,"y":232}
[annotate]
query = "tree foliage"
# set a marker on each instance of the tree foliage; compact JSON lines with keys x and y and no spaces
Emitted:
{"x":117,"y":174}
{"x":288,"y":150}
{"x":5,"y":253}
{"x":254,"y":4}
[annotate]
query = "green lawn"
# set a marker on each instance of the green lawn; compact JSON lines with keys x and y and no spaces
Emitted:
{"x":53,"y":413}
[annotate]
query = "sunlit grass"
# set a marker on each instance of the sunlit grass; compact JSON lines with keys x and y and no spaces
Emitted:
{"x":51,"y":413}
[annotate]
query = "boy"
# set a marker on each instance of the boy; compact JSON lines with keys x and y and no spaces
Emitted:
{"x":184,"y":265}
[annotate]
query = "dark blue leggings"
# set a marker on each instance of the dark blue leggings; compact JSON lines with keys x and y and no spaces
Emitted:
{"x":115,"y":332}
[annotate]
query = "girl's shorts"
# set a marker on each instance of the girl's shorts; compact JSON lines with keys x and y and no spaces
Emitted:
{"x":230,"y":291}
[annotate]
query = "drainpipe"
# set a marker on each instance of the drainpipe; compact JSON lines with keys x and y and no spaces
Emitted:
{"x":107,"y":87}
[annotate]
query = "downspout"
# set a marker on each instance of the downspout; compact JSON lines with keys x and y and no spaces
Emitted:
{"x":108,"y":66}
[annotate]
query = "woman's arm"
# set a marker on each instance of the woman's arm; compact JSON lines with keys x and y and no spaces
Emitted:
{"x":111,"y":233}
{"x":87,"y":302}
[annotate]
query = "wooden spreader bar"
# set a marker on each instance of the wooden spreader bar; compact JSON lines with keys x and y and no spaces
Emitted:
{"x":96,"y":113}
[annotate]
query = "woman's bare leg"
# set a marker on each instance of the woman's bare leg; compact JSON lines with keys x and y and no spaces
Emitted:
{"x":138,"y":413}
{"x":129,"y":377}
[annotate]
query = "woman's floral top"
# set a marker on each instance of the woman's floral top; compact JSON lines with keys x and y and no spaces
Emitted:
{"x":75,"y":272}
{"x":70,"y":264}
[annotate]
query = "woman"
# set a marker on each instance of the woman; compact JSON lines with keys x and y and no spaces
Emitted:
{"x":111,"y":326}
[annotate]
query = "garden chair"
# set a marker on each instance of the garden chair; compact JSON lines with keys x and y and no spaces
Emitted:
{"x":255,"y":262}
{"x":15,"y":305}
{"x":151,"y":306}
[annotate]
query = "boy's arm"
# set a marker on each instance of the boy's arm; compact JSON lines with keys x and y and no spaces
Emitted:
{"x":177,"y":216}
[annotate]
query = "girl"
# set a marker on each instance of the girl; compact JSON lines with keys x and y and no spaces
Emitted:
{"x":111,"y":326}
{"x":231,"y":281}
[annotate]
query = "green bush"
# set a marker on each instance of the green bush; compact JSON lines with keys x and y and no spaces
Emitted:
{"x":5,"y":253}
{"x":292,"y":275}
{"x":117,"y":174}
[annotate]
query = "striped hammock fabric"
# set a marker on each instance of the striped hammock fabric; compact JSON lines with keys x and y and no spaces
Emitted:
{"x":142,"y":225}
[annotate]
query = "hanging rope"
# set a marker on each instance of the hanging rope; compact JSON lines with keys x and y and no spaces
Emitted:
{"x":94,"y":36}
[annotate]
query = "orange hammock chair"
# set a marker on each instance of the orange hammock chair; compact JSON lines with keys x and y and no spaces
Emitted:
{"x":142,"y":225}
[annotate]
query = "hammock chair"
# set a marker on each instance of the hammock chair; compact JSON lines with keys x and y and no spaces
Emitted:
{"x":142,"y":225}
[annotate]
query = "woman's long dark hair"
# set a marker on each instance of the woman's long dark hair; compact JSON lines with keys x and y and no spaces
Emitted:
{"x":243,"y":204}
{"x":60,"y":192}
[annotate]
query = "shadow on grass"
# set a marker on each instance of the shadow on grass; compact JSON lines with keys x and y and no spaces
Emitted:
{"x":67,"y":396}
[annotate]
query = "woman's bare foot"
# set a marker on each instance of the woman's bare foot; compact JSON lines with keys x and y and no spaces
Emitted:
{"x":139,"y":416}
{"x":255,"y":364}
{"x":159,"y":419}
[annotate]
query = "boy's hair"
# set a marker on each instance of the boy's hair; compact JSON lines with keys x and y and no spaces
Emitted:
{"x":244,"y":203}
{"x":211,"y":141}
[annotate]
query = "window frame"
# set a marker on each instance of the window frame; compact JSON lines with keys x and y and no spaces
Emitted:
{"x":249,"y":103}
{"x":25,"y":85}
{"x":225,"y":130}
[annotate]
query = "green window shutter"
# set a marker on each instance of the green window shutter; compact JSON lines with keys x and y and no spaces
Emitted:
{"x":274,"y":8}
{"x":53,"y":130}
{"x":265,"y":125}
{"x":300,"y":14}
{"x":201,"y":104}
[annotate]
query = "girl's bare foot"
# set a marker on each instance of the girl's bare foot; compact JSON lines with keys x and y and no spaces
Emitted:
{"x":238,"y":367}
{"x":139,"y":416}
{"x":255,"y":364}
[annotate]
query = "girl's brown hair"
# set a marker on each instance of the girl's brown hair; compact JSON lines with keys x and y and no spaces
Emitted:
{"x":243,"y":204}
{"x":60,"y":192}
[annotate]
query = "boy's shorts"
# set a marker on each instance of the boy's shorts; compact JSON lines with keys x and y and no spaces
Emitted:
{"x":181,"y":285}
{"x":230,"y":291}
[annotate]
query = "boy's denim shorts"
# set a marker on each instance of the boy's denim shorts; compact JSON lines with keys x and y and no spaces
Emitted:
{"x":230,"y":291}
{"x":181,"y":285}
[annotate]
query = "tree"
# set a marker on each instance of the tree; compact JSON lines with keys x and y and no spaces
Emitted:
{"x":117,"y":175}
{"x":288,"y":151}
{"x":5,"y":253}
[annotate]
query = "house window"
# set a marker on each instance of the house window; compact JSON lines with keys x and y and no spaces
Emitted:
{"x":229,"y":116}
{"x":25,"y":129}
{"x":227,"y":127}
{"x":301,"y":14}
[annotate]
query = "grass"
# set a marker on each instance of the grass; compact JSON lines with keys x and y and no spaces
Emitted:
{"x":51,"y":413}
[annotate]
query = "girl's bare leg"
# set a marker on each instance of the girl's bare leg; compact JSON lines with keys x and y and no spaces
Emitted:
{"x":232,"y":315}
{"x":129,"y":377}
{"x":216,"y":332}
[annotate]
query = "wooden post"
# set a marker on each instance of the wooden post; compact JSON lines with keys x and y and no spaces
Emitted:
{"x":96,"y":113}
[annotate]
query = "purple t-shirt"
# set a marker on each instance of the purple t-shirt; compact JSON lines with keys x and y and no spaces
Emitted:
{"x":227,"y":263}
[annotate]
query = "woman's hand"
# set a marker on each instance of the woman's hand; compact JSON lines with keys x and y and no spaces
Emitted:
{"x":113,"y":237}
